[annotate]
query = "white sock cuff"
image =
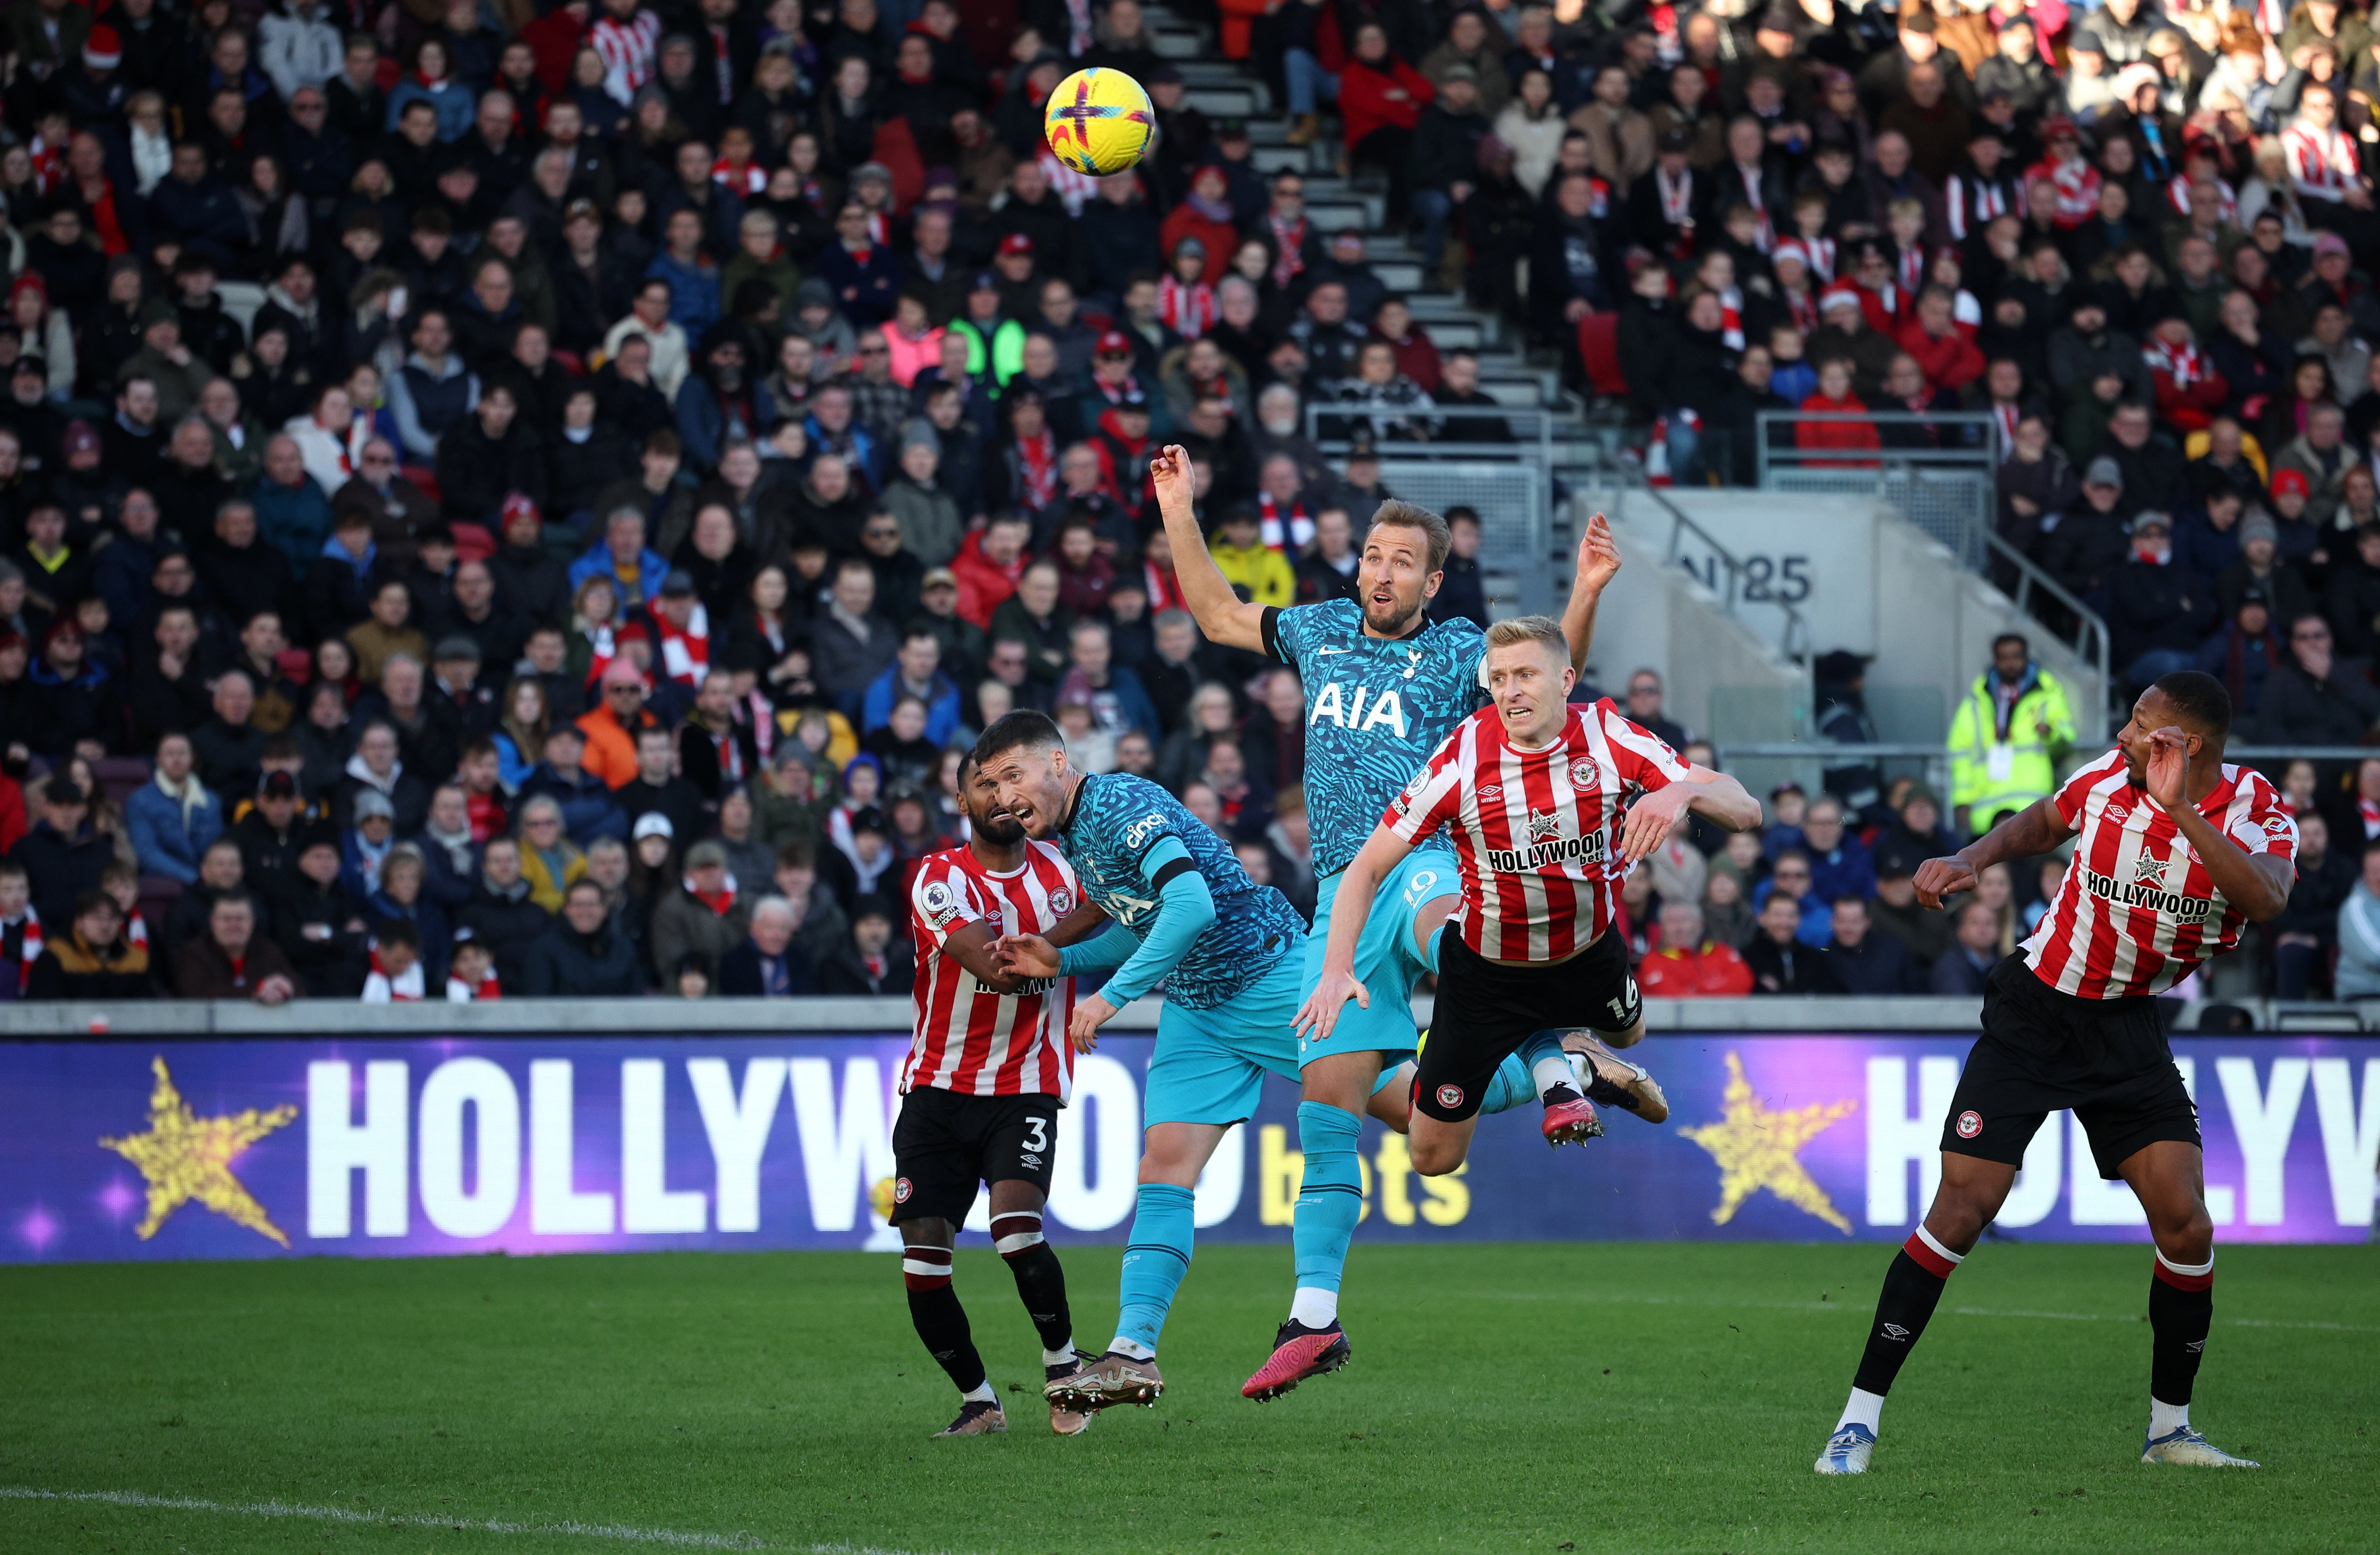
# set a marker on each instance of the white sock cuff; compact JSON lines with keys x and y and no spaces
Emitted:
{"x":1939,"y":1251}
{"x":1017,"y":1242}
{"x":2189,"y":1269}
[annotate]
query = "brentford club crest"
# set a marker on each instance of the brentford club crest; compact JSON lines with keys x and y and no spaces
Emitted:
{"x":1970,"y":1124}
{"x":1062,"y":900}
{"x":1585,"y":775}
{"x":1450,"y":1096}
{"x":901,"y":1190}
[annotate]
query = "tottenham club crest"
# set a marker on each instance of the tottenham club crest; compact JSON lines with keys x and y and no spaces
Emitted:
{"x":1585,"y":775}
{"x":1061,"y":902}
{"x":1970,"y":1124}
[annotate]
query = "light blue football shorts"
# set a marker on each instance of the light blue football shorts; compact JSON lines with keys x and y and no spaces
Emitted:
{"x":1386,"y":960}
{"x":1210,"y":1064}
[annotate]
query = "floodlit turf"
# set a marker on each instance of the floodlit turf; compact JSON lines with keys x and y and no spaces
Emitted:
{"x":1502,"y":1397}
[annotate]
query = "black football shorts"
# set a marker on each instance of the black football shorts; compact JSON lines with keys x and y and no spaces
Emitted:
{"x":945,"y":1144}
{"x":1486,"y":1010}
{"x":2042,"y":1051}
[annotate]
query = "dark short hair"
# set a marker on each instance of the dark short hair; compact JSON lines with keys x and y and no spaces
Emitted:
{"x":1022,"y":730}
{"x":2201,"y":700}
{"x":397,"y":931}
{"x":2016,"y":638}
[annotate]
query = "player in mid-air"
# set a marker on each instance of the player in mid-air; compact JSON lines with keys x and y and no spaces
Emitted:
{"x":1227,"y":949}
{"x":1382,"y":684}
{"x":1533,"y":789}
{"x":987,"y":1070}
{"x":2178,"y":852}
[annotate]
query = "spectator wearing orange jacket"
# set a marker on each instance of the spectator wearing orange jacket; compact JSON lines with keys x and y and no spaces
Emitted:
{"x":1688,"y":965}
{"x":611,"y":729}
{"x":1941,"y":349}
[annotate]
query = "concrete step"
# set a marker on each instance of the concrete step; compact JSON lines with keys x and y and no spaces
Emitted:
{"x":1204,"y":72}
{"x":1182,"y":45}
{"x":1243,"y":100}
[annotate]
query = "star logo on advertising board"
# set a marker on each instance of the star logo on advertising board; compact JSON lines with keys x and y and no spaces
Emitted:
{"x":185,"y":1158}
{"x":1756,"y":1149}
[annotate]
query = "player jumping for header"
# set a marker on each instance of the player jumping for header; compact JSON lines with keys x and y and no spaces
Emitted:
{"x":1382,"y":684}
{"x":986,"y":1071}
{"x":1185,"y":914}
{"x":2178,"y":852}
{"x":1533,"y":789}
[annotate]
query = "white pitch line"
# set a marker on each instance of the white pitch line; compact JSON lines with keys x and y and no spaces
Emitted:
{"x":618,"y":1533}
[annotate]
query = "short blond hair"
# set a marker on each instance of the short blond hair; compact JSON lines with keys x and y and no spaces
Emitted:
{"x":1530,"y":628}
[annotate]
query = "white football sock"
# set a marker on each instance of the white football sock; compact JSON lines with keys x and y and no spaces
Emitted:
{"x":1134,"y":1348}
{"x":2167,"y":1419}
{"x":1064,"y":1356}
{"x":1554,"y":1071}
{"x":1863,"y":1409}
{"x":981,"y":1393}
{"x":1315,"y":1308}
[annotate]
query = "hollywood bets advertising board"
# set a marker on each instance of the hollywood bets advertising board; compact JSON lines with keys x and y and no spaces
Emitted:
{"x":139,"y":1150}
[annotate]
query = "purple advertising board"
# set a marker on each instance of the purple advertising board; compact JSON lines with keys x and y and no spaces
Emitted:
{"x":275,"y":1148}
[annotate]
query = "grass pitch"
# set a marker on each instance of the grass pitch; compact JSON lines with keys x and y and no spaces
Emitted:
{"x":1502,"y":1397}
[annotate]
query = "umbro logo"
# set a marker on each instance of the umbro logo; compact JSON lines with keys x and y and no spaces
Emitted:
{"x":1491,"y":793}
{"x":2196,"y":1346}
{"x":1895,"y":1333}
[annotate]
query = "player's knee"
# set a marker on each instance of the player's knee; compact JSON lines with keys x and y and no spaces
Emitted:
{"x":1628,"y":1039}
{"x":2186,"y":1234}
{"x":1434,"y":1157}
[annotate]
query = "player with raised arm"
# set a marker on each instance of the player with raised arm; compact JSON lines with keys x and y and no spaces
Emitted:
{"x":1382,"y":686}
{"x":987,"y":1069}
{"x":2178,"y":852}
{"x":1186,"y":914}
{"x":1533,"y":789}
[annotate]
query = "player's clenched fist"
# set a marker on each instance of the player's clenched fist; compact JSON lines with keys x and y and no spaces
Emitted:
{"x":1937,"y":877}
{"x":1170,"y":471}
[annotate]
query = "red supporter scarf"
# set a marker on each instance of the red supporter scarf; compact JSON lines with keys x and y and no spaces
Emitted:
{"x":2181,"y":363}
{"x":720,"y":902}
{"x":2365,"y":807}
{"x":487,"y":812}
{"x":1188,"y":310}
{"x":686,"y":652}
{"x":1038,"y":459}
{"x":1288,"y":239}
{"x":1288,"y":538}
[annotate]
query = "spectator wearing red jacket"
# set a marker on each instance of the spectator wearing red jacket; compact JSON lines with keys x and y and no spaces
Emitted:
{"x":1380,"y":100}
{"x":1942,"y":350}
{"x":1689,"y":965}
{"x":2189,"y":393}
{"x":988,"y":566}
{"x":1835,"y":394}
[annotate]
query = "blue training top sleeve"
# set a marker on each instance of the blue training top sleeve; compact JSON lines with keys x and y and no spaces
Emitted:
{"x":1185,"y":909}
{"x":1101,"y":952}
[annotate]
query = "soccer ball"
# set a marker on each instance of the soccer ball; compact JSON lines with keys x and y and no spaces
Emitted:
{"x":1099,"y":121}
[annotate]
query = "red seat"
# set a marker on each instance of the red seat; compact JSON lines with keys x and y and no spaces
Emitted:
{"x":571,"y":362}
{"x":1598,"y":348}
{"x":296,"y":665}
{"x":423,"y":477}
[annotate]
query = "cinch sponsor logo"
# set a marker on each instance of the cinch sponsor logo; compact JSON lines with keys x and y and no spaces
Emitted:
{"x":2142,"y":893}
{"x":1557,"y":850}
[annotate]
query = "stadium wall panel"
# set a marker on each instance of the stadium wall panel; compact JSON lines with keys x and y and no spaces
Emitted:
{"x":382,"y":1145}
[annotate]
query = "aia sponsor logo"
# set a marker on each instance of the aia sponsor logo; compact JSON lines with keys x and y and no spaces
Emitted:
{"x":1970,"y":1124}
{"x":1450,"y":1096}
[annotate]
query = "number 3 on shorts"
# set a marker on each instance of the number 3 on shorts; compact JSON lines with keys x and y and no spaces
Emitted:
{"x":1037,"y":1137}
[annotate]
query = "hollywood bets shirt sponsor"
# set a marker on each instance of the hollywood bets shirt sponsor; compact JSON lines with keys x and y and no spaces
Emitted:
{"x":2137,"y":910}
{"x":1116,"y":820}
{"x":1375,"y":709}
{"x":1534,"y":830}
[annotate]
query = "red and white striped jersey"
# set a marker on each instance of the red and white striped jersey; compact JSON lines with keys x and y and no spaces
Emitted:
{"x":2137,"y":911}
{"x":2323,"y":163}
{"x":970,"y":1039}
{"x":1535,"y":832}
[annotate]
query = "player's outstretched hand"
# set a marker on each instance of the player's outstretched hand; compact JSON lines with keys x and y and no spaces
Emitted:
{"x":1320,"y":1012}
{"x":1937,"y":877}
{"x":1089,"y":1015}
{"x":1650,"y":821}
{"x":1027,"y":955}
{"x":1598,"y":556}
{"x":1169,"y":474}
{"x":2168,"y":768}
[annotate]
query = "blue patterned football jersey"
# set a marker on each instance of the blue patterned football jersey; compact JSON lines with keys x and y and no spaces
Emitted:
{"x":1118,"y":818}
{"x":1375,"y":710}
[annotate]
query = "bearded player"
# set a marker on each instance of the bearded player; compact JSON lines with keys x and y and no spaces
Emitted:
{"x":2178,"y":852}
{"x":1533,"y":790}
{"x":1382,"y":686}
{"x":986,"y":1071}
